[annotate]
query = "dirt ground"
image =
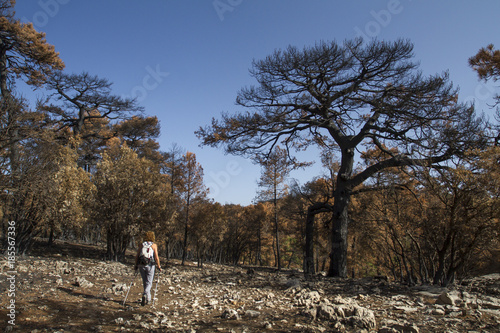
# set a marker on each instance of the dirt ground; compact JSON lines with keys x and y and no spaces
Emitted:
{"x":68,"y":288}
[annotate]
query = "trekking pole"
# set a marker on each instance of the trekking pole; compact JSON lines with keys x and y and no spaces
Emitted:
{"x":129,"y":287}
{"x":156,"y":288}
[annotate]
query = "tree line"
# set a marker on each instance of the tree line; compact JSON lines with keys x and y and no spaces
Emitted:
{"x":410,"y":182}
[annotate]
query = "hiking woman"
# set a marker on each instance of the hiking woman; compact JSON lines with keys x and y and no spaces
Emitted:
{"x":145,"y":260}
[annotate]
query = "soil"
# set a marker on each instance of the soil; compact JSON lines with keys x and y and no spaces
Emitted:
{"x":69,"y":288}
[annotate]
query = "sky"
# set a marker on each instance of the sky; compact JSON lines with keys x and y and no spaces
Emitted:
{"x":185,"y":61}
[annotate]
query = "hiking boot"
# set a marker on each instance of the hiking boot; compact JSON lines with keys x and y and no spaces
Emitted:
{"x":144,"y":301}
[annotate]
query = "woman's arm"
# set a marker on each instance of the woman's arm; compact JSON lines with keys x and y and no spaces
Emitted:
{"x":157,"y":258}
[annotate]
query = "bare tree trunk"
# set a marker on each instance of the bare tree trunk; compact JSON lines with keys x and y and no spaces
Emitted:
{"x":258,"y":259}
{"x":340,"y":219}
{"x":50,"y":242}
{"x":309,"y":255}
{"x":186,"y":229}
{"x":276,"y":229}
{"x":438,"y":276}
{"x":312,"y":211}
{"x":338,"y":255}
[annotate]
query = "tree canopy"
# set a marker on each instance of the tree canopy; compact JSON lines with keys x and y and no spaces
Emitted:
{"x":347,"y":96}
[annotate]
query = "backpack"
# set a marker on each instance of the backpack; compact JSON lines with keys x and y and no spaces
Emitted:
{"x":146,"y":257}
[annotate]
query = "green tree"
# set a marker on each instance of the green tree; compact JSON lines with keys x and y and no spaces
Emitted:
{"x":344,"y":97}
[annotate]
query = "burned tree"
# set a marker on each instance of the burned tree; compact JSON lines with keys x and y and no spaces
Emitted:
{"x":345,"y":97}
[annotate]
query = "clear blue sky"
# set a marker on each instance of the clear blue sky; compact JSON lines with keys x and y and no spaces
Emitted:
{"x":186,"y":60}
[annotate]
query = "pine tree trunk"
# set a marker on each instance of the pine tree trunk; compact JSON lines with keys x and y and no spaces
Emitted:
{"x":278,"y":252}
{"x":340,"y":219}
{"x":309,"y":255}
{"x":50,"y":242}
{"x":186,"y":231}
{"x":338,"y":255}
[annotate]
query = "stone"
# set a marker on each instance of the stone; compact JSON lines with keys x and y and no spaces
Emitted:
{"x":252,"y":314}
{"x":449,"y":298}
{"x":438,"y":312}
{"x":327,"y":312}
{"x":119,"y":288}
{"x":231,"y":314}
{"x":363,"y":318}
{"x":293,"y":283}
{"x":406,"y":309}
{"x":400,"y":328}
{"x":311,"y":313}
{"x":83,"y":283}
{"x":307,"y":298}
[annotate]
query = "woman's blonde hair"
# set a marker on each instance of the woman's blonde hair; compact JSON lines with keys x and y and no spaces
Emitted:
{"x":149,"y":236}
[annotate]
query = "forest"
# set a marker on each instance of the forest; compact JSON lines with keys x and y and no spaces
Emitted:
{"x":410,"y":188}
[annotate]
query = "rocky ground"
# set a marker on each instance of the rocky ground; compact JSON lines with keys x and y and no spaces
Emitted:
{"x":67,"y":288}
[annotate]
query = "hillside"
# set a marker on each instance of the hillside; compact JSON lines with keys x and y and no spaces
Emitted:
{"x":67,"y":288}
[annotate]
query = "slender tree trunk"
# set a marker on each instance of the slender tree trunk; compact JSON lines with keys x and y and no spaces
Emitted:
{"x":309,"y":255}
{"x":50,"y":242}
{"x":438,"y":276}
{"x":109,"y":249}
{"x":312,"y":211}
{"x":258,"y":259}
{"x":276,"y":228}
{"x":291,"y":258}
{"x":167,"y":248}
{"x":186,"y":229}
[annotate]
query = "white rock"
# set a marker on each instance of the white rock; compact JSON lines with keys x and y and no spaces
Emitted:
{"x":82,"y":282}
{"x":252,"y":314}
{"x":231,"y":314}
{"x":438,"y":312}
